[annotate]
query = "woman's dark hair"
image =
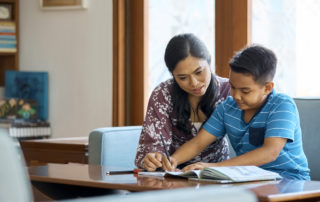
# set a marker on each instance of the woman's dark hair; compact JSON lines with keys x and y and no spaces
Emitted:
{"x":179,"y":48}
{"x":257,"y":61}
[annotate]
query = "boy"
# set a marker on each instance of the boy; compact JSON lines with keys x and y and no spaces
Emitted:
{"x":263,"y":126}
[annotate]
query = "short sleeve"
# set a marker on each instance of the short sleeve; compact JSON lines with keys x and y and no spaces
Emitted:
{"x":215,"y":124}
{"x":282,"y":121}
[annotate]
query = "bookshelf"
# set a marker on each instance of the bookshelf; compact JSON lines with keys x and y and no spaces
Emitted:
{"x":9,"y":36}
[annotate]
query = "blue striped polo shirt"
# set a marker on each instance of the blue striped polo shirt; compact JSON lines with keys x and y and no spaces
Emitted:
{"x":278,"y":117}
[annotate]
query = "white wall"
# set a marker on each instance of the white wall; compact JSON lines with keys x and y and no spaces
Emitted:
{"x":75,"y":47}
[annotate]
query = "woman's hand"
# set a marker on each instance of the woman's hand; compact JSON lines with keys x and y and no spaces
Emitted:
{"x":166,"y":165}
{"x":152,"y":161}
{"x":197,"y":166}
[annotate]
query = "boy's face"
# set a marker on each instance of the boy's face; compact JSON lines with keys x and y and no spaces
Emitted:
{"x":248,"y":94}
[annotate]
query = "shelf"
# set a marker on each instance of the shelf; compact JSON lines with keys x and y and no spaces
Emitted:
{"x":9,"y":59}
{"x":8,"y":53}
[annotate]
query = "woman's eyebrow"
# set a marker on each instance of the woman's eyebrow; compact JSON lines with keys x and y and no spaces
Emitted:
{"x":180,"y":74}
{"x":198,"y":68}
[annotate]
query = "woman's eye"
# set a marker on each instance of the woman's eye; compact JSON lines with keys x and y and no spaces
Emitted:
{"x":182,"y":78}
{"x":198,"y":72}
{"x":246,"y":92}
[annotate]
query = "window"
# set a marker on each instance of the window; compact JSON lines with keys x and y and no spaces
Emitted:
{"x":289,"y":28}
{"x":139,"y":45}
{"x":171,"y":17}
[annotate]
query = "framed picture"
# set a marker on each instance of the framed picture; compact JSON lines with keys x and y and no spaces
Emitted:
{"x":63,"y":4}
{"x":29,"y":85}
{"x":5,"y":11}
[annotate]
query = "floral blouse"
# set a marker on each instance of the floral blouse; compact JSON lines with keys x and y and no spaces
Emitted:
{"x":160,"y":119}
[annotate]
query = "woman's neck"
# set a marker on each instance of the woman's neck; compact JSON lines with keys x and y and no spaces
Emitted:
{"x":194,"y":101}
{"x":196,"y":114}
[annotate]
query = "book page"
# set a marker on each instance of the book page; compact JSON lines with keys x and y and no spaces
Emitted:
{"x":187,"y":174}
{"x":239,"y":173}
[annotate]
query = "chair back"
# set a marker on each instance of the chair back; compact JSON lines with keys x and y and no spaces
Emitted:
{"x":114,"y":146}
{"x":15,"y":184}
{"x":309,"y":112}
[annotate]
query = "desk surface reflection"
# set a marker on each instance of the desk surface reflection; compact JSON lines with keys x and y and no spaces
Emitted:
{"x":95,"y":176}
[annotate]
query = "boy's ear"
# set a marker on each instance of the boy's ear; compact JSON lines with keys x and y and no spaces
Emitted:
{"x":269,"y":87}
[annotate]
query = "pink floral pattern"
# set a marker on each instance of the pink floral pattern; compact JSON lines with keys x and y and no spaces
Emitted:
{"x":160,"y":119}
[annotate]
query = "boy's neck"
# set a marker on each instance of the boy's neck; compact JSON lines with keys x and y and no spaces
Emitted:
{"x":249,"y":113}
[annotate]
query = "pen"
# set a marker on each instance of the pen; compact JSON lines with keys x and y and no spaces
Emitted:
{"x":118,"y":172}
{"x":165,"y":148}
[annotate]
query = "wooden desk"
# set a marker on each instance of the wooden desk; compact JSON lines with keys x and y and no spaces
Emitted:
{"x":95,"y":176}
{"x":63,"y":150}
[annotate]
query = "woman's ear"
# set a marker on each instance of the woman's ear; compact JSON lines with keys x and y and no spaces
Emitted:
{"x":268,"y":87}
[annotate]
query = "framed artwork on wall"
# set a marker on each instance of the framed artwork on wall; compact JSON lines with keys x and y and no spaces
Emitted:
{"x":5,"y":11}
{"x":63,"y":4}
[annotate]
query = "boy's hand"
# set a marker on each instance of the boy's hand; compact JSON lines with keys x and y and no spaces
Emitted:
{"x":152,"y":161}
{"x":166,"y":165}
{"x":197,"y":166}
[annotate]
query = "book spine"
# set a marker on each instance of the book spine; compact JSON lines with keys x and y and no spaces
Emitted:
{"x":8,"y":50}
{"x":7,"y":37}
{"x":7,"y":45}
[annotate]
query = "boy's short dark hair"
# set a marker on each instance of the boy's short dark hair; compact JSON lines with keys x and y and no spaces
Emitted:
{"x":257,"y":61}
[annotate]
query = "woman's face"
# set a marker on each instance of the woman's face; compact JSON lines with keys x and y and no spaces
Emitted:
{"x":193,"y":75}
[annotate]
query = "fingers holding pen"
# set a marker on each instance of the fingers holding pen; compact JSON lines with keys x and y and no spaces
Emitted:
{"x":169,"y":165}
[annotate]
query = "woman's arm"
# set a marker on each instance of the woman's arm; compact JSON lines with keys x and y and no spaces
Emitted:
{"x":189,"y":150}
{"x":156,"y":122}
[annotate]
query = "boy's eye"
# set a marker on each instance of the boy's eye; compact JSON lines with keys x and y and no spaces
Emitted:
{"x":245,"y":92}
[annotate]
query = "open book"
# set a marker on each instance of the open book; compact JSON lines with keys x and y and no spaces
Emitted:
{"x":222,"y":174}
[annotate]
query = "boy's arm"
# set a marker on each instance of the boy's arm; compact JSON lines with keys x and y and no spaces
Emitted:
{"x":189,"y":150}
{"x":267,"y":153}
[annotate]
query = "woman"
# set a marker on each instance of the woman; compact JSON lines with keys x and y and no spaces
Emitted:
{"x":179,"y":106}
